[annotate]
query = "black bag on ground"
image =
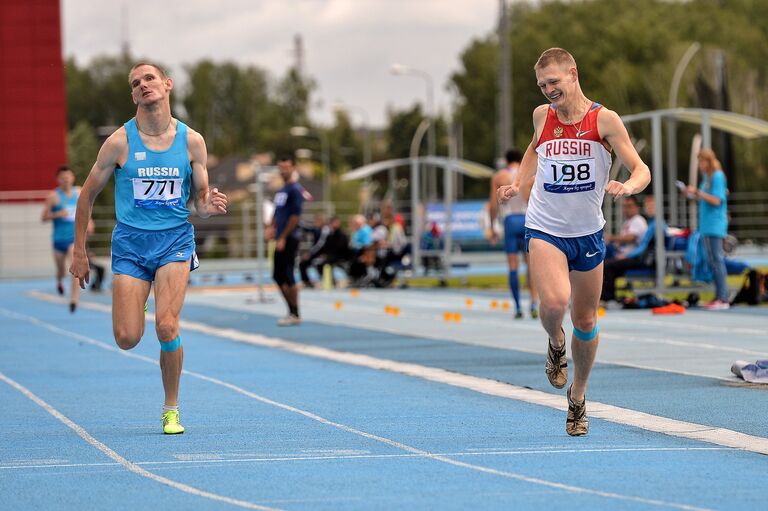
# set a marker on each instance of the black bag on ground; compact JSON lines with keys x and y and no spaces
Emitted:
{"x":752,"y":292}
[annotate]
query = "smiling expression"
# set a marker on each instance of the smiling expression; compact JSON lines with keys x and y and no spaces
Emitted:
{"x":556,"y":82}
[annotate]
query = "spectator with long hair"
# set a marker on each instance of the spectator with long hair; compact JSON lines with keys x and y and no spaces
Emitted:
{"x":713,"y":221}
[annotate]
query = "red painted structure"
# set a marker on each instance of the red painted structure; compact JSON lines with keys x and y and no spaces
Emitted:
{"x":33,"y":123}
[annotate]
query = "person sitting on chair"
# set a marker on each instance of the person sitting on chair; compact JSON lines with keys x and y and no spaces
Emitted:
{"x":632,"y":230}
{"x":641,"y":256}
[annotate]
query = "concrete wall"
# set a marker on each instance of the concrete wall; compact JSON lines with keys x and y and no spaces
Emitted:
{"x":25,"y":242}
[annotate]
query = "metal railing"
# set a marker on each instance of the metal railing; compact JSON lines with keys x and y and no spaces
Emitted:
{"x":747,"y":217}
{"x":25,"y":241}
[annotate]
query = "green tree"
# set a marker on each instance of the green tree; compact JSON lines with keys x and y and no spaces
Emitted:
{"x":477,"y":84}
{"x":113,"y":99}
{"x":627,"y":51}
{"x":99,"y":92}
{"x":229,"y":105}
{"x":346,"y":145}
{"x":293,"y":96}
{"x":401,"y":127}
{"x":240,"y":109}
{"x":82,"y":149}
{"x":80,"y":89}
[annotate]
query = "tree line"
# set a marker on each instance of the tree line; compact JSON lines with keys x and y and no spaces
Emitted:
{"x":626,"y":50}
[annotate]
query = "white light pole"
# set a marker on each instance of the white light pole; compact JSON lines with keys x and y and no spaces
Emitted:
{"x":455,"y":136}
{"x":401,"y":70}
{"x":417,"y":222}
{"x":303,"y":131}
{"x":677,"y":76}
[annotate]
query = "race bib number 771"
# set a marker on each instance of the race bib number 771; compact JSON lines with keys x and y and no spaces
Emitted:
{"x":156,"y":193}
{"x":570,"y":176}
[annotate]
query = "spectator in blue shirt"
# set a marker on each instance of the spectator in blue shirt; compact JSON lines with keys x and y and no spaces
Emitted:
{"x":362,"y":233}
{"x":713,"y":221}
{"x":361,"y":247}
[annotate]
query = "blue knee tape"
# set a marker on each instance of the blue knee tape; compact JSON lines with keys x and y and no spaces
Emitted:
{"x":169,"y":346}
{"x":585,"y":336}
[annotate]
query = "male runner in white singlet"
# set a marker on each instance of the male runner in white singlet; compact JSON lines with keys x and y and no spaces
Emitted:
{"x":512,"y":213}
{"x":569,"y":159}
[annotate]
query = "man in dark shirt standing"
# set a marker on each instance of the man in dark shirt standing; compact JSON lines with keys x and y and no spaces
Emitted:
{"x":285,"y":231}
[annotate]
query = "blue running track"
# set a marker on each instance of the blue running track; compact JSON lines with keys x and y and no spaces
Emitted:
{"x":360,"y":409}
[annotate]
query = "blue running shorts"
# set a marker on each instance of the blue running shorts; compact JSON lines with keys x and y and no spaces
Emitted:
{"x":62,"y":245}
{"x":584,"y":253}
{"x":514,"y":233}
{"x":139,"y":252}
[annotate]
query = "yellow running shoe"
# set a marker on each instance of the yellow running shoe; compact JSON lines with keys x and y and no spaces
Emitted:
{"x":171,"y":424}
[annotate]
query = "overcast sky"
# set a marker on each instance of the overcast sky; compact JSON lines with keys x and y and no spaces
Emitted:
{"x":349,"y":44}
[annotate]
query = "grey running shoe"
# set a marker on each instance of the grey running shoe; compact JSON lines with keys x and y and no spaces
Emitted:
{"x":576,"y":422}
{"x":289,"y":320}
{"x":557,"y":365}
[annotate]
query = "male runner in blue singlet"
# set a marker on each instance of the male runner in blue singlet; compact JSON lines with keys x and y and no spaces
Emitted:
{"x":60,"y":206}
{"x":567,"y":164}
{"x":159,"y":164}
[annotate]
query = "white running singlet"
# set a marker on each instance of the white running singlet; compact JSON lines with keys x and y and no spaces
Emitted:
{"x":573,"y":167}
{"x":516,"y":205}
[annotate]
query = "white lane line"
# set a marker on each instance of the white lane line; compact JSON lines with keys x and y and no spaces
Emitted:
{"x":625,"y":416}
{"x":673,"y":427}
{"x":688,"y":326}
{"x":684,"y":344}
{"x":630,"y":337}
{"x":449,"y":333}
{"x":349,"y":429}
{"x":133,"y":467}
{"x":282,"y":459}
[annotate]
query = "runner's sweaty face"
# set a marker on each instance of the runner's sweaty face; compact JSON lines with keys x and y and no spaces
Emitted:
{"x":148,"y":85}
{"x":556,"y":82}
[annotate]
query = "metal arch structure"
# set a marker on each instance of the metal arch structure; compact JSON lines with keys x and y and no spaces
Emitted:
{"x":451,"y":166}
{"x":465,"y":167}
{"x":743,"y":126}
{"x":737,"y":124}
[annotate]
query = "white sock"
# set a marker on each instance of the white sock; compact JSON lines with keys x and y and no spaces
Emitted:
{"x":167,"y":408}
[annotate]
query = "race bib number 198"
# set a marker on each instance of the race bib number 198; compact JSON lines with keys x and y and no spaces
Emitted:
{"x":156,"y":193}
{"x":571,"y":176}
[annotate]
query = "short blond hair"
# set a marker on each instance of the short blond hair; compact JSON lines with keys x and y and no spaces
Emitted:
{"x":555,"y":56}
{"x":159,"y":69}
